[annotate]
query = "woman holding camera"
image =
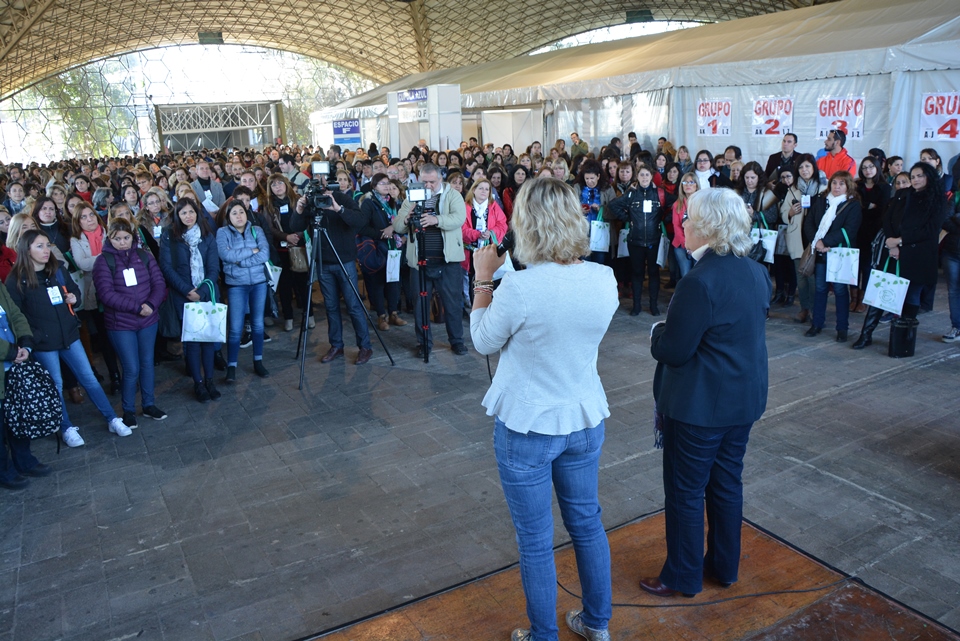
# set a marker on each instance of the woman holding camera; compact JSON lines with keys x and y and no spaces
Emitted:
{"x":549,"y":419}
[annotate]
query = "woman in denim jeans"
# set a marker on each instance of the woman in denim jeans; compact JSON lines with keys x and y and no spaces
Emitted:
{"x":244,"y":251}
{"x":131,"y":288}
{"x":48,"y":297}
{"x":549,"y":418}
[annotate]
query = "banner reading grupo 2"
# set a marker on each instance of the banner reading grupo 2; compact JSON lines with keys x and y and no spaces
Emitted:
{"x":713,"y":117}
{"x":773,"y":116}
{"x":840,"y":112}
{"x":938,"y":116}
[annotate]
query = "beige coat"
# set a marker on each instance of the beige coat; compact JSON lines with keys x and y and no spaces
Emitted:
{"x":452,"y":215}
{"x":794,"y":225}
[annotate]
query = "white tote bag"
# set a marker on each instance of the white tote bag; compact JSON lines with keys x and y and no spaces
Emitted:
{"x":273,"y":274}
{"x":623,"y":250}
{"x":769,"y":239}
{"x":663,"y":251}
{"x":843,"y":264}
{"x":204,"y":322}
{"x":599,"y":234}
{"x":886,"y":291}
{"x":393,"y":265}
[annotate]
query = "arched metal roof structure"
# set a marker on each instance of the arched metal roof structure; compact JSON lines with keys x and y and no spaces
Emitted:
{"x":381,"y":39}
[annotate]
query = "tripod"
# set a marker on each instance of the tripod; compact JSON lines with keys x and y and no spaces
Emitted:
{"x":413,"y":222}
{"x":315,"y":265}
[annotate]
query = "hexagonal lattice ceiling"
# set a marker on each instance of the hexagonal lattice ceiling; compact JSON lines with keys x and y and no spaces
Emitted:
{"x":381,"y":39}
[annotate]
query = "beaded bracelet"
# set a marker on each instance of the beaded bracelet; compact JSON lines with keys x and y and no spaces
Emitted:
{"x":483,"y":289}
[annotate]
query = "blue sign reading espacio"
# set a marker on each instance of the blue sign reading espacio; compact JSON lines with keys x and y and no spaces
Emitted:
{"x":412,"y":95}
{"x":346,"y":132}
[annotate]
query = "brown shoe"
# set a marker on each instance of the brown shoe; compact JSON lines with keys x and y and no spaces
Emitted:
{"x":364,"y":356}
{"x":335,"y":352}
{"x":803,"y":317}
{"x":75,"y":394}
{"x":383,"y":324}
{"x":396,"y":320}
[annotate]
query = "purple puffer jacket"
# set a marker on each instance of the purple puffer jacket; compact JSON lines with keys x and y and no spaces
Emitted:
{"x":122,"y":304}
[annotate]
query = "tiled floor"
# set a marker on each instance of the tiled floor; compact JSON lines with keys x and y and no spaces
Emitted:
{"x":275,"y":514}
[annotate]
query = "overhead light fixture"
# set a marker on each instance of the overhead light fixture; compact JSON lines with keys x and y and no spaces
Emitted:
{"x":639,"y":15}
{"x":210,"y":37}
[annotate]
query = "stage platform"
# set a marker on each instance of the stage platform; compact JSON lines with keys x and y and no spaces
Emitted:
{"x":783,"y":594}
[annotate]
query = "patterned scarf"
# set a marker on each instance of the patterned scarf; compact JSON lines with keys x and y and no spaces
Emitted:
{"x":192,"y":238}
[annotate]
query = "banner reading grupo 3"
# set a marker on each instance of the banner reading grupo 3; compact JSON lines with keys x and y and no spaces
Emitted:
{"x":713,"y":117}
{"x":938,"y":116}
{"x":773,"y":116}
{"x":840,"y":112}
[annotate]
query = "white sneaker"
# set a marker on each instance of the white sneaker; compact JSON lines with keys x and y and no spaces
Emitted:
{"x":311,"y":323}
{"x":952,"y":335}
{"x":288,"y":325}
{"x":118,"y":427}
{"x":71,"y":436}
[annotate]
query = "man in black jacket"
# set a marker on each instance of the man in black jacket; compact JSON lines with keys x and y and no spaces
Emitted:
{"x":780,"y":161}
{"x":341,"y":220}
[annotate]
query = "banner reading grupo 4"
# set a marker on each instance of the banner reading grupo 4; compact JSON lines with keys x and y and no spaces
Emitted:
{"x":840,"y":112}
{"x":938,"y":116}
{"x":713,"y":117}
{"x":773,"y":116}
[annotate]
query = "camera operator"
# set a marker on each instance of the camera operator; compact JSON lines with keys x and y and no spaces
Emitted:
{"x":443,"y":216}
{"x":342,"y":219}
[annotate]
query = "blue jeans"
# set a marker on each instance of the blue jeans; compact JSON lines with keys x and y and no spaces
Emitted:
{"x":531,"y":465}
{"x":684,"y":262}
{"x":702,"y":463}
{"x":76,"y":360}
{"x":951,"y":269}
{"x":333,"y":283}
{"x":841,"y":295}
{"x":135,"y":349}
{"x":252,"y":299}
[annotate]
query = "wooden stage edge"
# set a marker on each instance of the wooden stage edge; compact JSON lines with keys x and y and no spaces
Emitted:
{"x":783,"y":594}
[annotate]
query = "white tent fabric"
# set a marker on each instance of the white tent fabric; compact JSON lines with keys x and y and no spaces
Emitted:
{"x":890,"y":51}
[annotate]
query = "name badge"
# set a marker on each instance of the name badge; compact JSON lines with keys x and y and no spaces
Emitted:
{"x":284,"y":209}
{"x":130,"y":277}
{"x":254,"y":204}
{"x":56,"y":298}
{"x":647,"y":206}
{"x":805,"y":202}
{"x":157,"y":231}
{"x":208,"y":194}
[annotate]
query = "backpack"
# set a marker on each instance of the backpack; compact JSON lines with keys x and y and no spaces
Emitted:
{"x":111,"y":260}
{"x":32,"y":406}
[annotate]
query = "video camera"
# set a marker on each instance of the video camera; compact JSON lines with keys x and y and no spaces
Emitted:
{"x":317,"y":195}
{"x":418,"y":194}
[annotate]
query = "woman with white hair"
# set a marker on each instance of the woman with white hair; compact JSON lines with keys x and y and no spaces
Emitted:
{"x":549,"y":424}
{"x":710,"y":387}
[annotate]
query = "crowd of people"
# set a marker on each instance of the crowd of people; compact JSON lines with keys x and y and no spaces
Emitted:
{"x":130,"y":241}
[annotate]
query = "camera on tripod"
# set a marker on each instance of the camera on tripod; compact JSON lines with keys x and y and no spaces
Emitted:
{"x":318,"y":197}
{"x":418,"y":194}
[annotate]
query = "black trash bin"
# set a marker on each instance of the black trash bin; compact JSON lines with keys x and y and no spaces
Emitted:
{"x":903,"y":337}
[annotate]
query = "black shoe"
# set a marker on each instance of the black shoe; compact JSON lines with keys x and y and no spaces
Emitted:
{"x":813,"y":331}
{"x":635,"y":311}
{"x":459,"y":349}
{"x":218,"y":363}
{"x":130,"y":420}
{"x":39,"y":470}
{"x":115,"y":383}
{"x":16,"y":483}
{"x":266,"y":337}
{"x":654,"y":310}
{"x":154,"y":412}
{"x":212,"y":389}
{"x":421,"y":351}
{"x":201,"y":393}
{"x":246,"y":340}
{"x":260,"y":370}
{"x":841,"y":337}
{"x":231,"y":374}
{"x":865,"y":340}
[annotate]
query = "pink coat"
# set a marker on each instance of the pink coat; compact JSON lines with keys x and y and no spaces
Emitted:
{"x":496,"y":223}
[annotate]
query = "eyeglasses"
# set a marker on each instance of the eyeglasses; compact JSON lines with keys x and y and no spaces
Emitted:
{"x":700,"y":160}
{"x":689,"y":182}
{"x":684,"y":219}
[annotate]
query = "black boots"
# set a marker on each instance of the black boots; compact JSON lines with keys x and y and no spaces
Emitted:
{"x":870,"y":322}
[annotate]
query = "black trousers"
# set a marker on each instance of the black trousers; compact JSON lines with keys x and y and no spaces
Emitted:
{"x":644,"y":259}
{"x":447,"y":280}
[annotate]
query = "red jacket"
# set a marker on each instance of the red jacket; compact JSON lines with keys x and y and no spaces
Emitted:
{"x":831,"y":164}
{"x":496,"y":224}
{"x":7,"y":258}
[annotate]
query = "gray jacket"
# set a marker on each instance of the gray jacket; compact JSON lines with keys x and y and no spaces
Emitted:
{"x":240,"y":265}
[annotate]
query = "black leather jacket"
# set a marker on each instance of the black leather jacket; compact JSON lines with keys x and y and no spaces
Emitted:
{"x":644,"y":225}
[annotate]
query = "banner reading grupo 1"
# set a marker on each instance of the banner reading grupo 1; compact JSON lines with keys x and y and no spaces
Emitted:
{"x":840,"y":112}
{"x":938,"y":116}
{"x":773,"y":116}
{"x":713,"y":117}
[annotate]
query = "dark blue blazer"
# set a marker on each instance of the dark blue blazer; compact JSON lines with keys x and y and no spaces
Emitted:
{"x":712,"y":353}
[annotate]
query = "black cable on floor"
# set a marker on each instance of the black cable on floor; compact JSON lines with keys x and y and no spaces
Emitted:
{"x":716,"y":601}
